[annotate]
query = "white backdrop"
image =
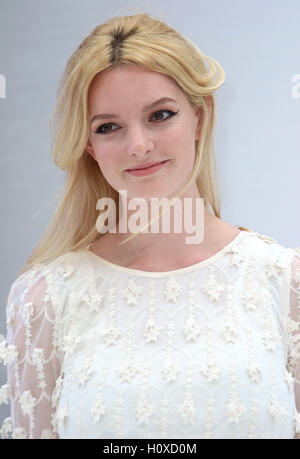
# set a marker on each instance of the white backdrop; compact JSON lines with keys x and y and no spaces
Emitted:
{"x":257,"y":133}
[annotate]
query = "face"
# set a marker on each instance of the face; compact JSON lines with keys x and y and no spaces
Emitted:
{"x":129,"y":134}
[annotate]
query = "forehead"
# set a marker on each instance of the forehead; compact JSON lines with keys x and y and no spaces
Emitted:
{"x":135,"y":80}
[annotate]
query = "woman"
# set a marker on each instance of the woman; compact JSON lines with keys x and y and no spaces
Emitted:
{"x":120,"y":335}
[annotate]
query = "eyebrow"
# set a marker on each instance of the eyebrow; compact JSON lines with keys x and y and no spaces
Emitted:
{"x":162,"y":100}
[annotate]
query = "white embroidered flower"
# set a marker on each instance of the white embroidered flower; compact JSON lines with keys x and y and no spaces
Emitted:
{"x":132,"y":293}
{"x":66,"y":270}
{"x":213,"y":290}
{"x":38,"y":357}
{"x":127,"y":372}
{"x":187,"y":410}
{"x":46,"y":298}
{"x":27,"y":402}
{"x":93,"y":299}
{"x":98,"y":410}
{"x":6,"y":428}
{"x":173,"y":289}
{"x":10,"y":355}
{"x":210,"y":370}
{"x":250,"y":299}
{"x":70,"y":342}
{"x":191,"y":329}
{"x":151,"y":332}
{"x":143,"y":411}
{"x":48,"y":434}
{"x":270,"y":338}
{"x":237,"y":258}
{"x":254,"y":372}
{"x":170,"y":371}
{"x":2,"y":349}
{"x":235,"y":410}
{"x":230,"y":332}
{"x":290,"y":325}
{"x":4,"y":393}
{"x":273,"y":268}
{"x":111,"y":334}
{"x":84,"y":373}
{"x":19,"y":433}
{"x":276,"y":410}
{"x":289,"y":379}
{"x":28,"y":311}
{"x":12,"y":314}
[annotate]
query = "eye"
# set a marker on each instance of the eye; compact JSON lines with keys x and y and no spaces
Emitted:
{"x":165,"y":111}
{"x":103,"y":128}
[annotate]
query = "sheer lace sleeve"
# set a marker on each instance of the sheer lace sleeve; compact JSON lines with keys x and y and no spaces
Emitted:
{"x":294,"y":352}
{"x":31,"y":357}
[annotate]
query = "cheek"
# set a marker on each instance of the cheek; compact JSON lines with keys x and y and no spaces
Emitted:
{"x":181,"y":142}
{"x":104,"y":156}
{"x":176,"y":135}
{"x":180,"y":136}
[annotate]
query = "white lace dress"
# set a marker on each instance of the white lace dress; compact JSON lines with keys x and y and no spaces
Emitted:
{"x":212,"y":351}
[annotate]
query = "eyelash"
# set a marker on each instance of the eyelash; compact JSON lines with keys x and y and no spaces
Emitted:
{"x":111,"y":124}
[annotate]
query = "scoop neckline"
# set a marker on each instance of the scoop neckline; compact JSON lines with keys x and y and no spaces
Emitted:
{"x":140,"y":272}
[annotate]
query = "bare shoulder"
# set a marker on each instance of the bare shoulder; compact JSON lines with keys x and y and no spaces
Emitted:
{"x":221,"y":233}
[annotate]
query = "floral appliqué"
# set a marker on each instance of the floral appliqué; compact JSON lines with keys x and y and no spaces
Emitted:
{"x":127,"y":372}
{"x":84,"y":372}
{"x":111,"y":334}
{"x":6,"y":427}
{"x":143,"y":410}
{"x":274,"y":267}
{"x":151,"y":332}
{"x":276,"y":411}
{"x":191,"y":329}
{"x":27,"y":402}
{"x":12,"y":314}
{"x":230,"y":332}
{"x":4,"y":394}
{"x":173,"y":289}
{"x":235,"y":409}
{"x":187,"y":409}
{"x":66,"y":270}
{"x":170,"y":370}
{"x":254,"y":372}
{"x":237,"y":257}
{"x":210,"y":370}
{"x":132,"y":293}
{"x":70,"y":341}
{"x":93,"y":299}
{"x":212,"y":288}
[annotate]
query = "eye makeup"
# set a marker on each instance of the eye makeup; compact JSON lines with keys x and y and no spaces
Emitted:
{"x":99,"y":131}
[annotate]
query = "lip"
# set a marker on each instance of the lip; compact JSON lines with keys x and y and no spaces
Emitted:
{"x":146,"y":165}
{"x":147,"y":170}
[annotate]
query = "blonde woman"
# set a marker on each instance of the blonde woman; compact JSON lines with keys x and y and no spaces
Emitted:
{"x":139,"y":334}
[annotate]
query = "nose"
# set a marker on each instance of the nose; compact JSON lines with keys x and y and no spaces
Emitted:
{"x":139,"y":143}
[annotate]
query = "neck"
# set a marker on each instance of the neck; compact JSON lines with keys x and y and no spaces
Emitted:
{"x":192,"y":224}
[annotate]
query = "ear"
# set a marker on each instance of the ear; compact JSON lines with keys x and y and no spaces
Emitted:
{"x":90,"y":150}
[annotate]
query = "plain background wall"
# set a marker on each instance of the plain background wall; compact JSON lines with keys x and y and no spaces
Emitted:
{"x":257,"y":134}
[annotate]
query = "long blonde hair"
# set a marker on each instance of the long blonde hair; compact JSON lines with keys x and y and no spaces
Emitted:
{"x":133,"y":40}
